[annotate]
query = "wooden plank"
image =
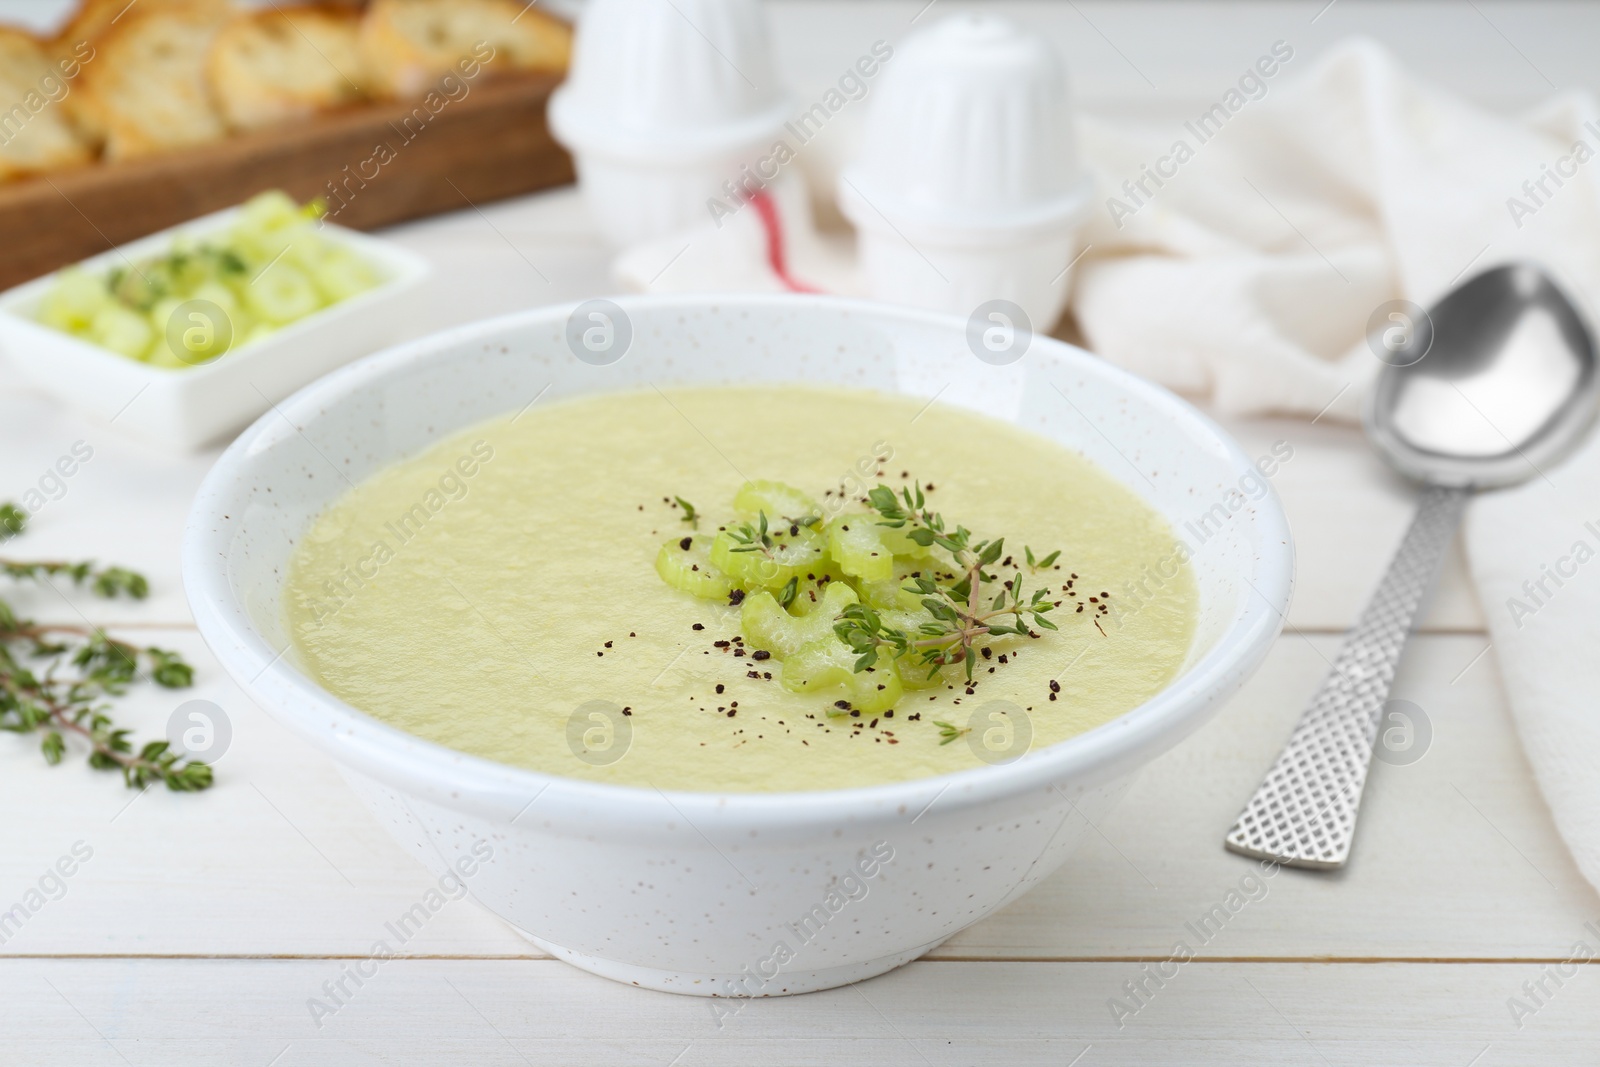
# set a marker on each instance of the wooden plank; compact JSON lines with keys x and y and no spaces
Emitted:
{"x":280,"y":858}
{"x":118,"y":1012}
{"x":488,"y":144}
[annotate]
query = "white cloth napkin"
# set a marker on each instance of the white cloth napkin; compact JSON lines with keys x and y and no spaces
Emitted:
{"x":1535,"y":554}
{"x":1252,"y":273}
{"x":1249,"y":275}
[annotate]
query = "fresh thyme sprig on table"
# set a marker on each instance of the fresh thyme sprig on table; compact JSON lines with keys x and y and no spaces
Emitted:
{"x":70,"y":694}
{"x":960,"y":617}
{"x":105,"y":581}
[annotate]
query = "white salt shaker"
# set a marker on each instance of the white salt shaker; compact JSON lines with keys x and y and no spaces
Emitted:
{"x":968,"y":187}
{"x":666,"y":104}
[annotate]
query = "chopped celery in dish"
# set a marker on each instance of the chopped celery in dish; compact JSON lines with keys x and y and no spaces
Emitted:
{"x":207,"y":296}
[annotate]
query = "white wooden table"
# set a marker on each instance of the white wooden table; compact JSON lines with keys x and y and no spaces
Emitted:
{"x":202,"y":924}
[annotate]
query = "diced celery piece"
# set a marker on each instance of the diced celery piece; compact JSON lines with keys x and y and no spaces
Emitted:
{"x":891,"y":593}
{"x":220,"y":295}
{"x":780,"y":502}
{"x":826,"y":668}
{"x":856,"y":544}
{"x":691,"y":570}
{"x":768,"y":626}
{"x":282,"y":294}
{"x":340,"y":275}
{"x":308,"y":250}
{"x":121,"y":330}
{"x":910,"y":620}
{"x":268,"y":211}
{"x":241,"y":323}
{"x":188,"y":334}
{"x":914,"y":673}
{"x":269,"y":226}
{"x":810,"y":592}
{"x":73,"y":301}
{"x":260,"y":249}
{"x":791,"y":557}
{"x":898,"y":538}
{"x":160,"y":352}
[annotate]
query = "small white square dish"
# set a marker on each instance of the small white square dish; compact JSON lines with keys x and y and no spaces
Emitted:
{"x":189,"y":407}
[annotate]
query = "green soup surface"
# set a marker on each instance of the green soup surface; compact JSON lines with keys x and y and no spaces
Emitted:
{"x":497,"y":593}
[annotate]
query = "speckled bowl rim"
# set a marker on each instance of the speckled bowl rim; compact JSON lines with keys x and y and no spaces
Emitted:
{"x":389,"y":754}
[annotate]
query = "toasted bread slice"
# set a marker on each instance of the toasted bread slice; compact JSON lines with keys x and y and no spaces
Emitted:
{"x":35,"y":132}
{"x":75,"y":43}
{"x":146,"y":87}
{"x":409,"y":45}
{"x":284,"y":63}
{"x":94,"y":18}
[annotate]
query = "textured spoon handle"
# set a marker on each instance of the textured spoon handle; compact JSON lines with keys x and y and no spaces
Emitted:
{"x":1304,"y":812}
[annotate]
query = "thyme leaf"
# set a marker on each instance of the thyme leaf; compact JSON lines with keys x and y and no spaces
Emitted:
{"x":1040,"y":564}
{"x":690,"y":515}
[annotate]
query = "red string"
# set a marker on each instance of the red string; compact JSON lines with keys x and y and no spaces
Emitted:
{"x":767,"y":211}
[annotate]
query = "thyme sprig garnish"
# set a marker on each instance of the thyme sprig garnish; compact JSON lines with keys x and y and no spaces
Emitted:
{"x":690,"y":515}
{"x":1040,"y":564}
{"x":759,"y":537}
{"x":754,"y":538}
{"x":948,"y":732}
{"x":959,"y":615}
{"x":70,"y":695}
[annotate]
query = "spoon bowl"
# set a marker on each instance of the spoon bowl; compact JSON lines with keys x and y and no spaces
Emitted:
{"x":1493,"y":383}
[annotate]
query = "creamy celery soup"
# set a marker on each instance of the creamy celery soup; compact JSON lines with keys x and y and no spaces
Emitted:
{"x":742,"y":589}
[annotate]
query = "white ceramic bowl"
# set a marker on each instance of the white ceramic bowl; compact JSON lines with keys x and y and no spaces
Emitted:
{"x":189,"y":407}
{"x":694,"y":892}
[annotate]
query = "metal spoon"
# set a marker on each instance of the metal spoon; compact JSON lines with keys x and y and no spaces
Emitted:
{"x":1484,"y":390}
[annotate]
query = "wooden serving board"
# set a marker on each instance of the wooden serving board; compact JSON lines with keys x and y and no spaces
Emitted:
{"x":403,"y":162}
